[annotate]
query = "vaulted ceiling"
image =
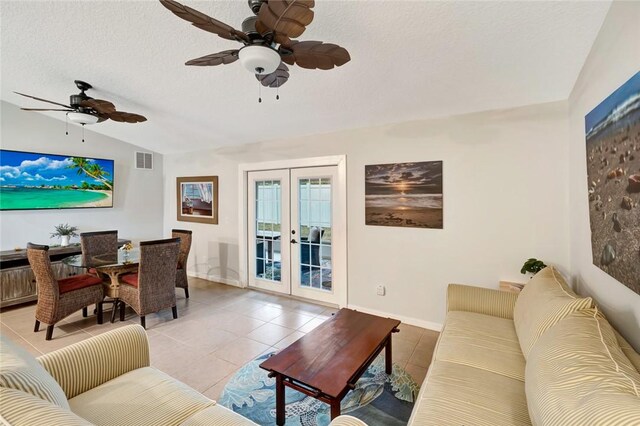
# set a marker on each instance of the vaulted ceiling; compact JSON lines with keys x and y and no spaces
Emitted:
{"x":410,"y":60}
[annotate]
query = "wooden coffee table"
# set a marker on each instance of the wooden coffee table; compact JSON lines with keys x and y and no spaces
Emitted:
{"x":327,"y":362}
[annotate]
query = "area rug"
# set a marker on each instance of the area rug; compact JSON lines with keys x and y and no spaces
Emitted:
{"x":378,"y":399}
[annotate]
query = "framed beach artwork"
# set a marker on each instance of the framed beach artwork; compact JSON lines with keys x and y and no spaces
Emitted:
{"x":404,"y":194}
{"x":198,"y":199}
{"x":35,"y":181}
{"x":613,"y":174}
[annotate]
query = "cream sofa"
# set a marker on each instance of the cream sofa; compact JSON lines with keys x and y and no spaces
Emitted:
{"x":543,"y":357}
{"x":104,"y":380}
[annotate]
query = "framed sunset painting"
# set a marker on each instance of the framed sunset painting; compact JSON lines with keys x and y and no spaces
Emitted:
{"x":404,"y":194}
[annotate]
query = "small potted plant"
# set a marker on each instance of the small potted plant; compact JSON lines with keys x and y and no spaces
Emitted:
{"x":532,"y":266}
{"x":64,"y":232}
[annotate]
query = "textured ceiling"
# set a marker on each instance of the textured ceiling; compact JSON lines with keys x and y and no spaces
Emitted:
{"x":410,"y":60}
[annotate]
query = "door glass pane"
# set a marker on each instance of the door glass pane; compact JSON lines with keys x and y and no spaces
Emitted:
{"x":314,"y":230}
{"x":268,"y":224}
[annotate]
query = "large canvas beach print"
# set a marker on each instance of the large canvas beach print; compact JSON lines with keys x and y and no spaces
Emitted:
{"x":613,"y":169}
{"x":404,"y":194}
{"x":45,"y":181}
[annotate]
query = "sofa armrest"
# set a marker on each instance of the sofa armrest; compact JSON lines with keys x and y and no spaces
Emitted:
{"x":347,"y":421}
{"x":481,"y":300}
{"x":92,"y":362}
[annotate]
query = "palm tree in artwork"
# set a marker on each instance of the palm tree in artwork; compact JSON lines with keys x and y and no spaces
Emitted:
{"x":91,"y":169}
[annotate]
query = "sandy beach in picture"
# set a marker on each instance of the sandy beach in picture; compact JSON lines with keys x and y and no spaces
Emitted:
{"x":404,"y":194}
{"x":105,"y":202}
{"x":613,"y":168}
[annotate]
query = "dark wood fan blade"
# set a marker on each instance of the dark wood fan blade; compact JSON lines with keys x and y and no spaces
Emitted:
{"x":125,"y":117}
{"x":288,"y":17}
{"x":99,"y":105}
{"x":45,"y":109}
{"x":43,"y":100}
{"x":224,"y":57}
{"x":204,"y":22}
{"x":276,"y":79}
{"x":316,"y":55}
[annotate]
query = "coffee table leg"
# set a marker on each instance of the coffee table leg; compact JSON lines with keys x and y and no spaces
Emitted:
{"x":387,"y":356}
{"x":279,"y":400}
{"x":335,"y":408}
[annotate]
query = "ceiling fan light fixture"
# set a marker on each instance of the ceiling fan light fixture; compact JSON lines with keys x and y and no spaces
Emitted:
{"x":82,"y":118}
{"x":259,"y":59}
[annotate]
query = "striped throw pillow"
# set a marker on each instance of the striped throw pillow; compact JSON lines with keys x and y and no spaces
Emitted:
{"x":19,"y":408}
{"x":544,"y":301}
{"x":21,"y":371}
{"x":578,"y":375}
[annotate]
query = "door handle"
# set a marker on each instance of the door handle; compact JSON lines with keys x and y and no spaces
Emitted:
{"x":293,"y":241}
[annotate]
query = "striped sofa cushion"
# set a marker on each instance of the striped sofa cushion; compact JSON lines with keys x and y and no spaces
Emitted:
{"x":19,"y":408}
{"x":577,"y":374}
{"x":544,"y":301}
{"x":21,"y":371}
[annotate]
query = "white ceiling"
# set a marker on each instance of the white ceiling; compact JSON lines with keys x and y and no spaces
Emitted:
{"x":410,"y":60}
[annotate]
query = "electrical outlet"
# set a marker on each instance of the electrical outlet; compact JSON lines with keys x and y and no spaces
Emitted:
{"x":380,"y":290}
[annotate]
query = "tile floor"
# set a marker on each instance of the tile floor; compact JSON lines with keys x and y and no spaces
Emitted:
{"x":219,"y":328}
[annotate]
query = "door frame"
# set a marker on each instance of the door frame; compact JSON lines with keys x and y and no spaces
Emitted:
{"x":340,"y":250}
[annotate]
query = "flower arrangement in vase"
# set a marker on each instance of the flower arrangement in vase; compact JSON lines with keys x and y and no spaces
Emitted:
{"x":64,"y":232}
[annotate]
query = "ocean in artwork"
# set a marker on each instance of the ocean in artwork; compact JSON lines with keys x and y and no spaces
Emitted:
{"x":612,"y":133}
{"x":30,"y":180}
{"x":37,"y":198}
{"x":404,"y":195}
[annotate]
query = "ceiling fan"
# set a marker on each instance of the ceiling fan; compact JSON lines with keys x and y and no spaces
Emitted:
{"x":83,"y":109}
{"x":267,"y":39}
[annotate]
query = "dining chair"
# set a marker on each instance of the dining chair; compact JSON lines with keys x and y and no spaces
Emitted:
{"x":98,"y":243}
{"x":185,"y":248}
{"x":58,"y":299}
{"x":152,"y":288}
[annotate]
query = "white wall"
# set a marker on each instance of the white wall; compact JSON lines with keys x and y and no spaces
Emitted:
{"x":138,"y":194}
{"x":614,"y":58}
{"x":505,"y":198}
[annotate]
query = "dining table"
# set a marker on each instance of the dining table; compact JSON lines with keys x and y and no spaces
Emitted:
{"x":110,"y":267}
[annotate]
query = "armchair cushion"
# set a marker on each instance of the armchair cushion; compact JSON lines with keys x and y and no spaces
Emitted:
{"x":131,"y":279}
{"x":142,"y":396}
{"x":19,"y":370}
{"x":543,"y":302}
{"x":77,"y":282}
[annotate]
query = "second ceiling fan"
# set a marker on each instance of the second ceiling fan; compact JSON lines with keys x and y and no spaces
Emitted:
{"x":267,"y":39}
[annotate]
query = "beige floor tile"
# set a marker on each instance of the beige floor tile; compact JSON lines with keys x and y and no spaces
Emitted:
{"x":293,"y":320}
{"x":245,"y":305}
{"x":417,"y":373}
{"x":15,"y":338}
{"x":240,"y":324}
{"x":215,"y":391}
{"x":240,"y":351}
{"x":308,"y":308}
{"x":289,"y":340}
{"x":428,"y":340}
{"x":410,"y":333}
{"x":269,"y":334}
{"x":204,"y":372}
{"x":421,"y":357}
{"x":266,"y":313}
{"x":402,"y":350}
{"x":311,"y":325}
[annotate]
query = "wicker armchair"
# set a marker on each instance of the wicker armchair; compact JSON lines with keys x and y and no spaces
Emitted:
{"x":185,"y":247}
{"x":153,"y":287}
{"x":97,"y":243}
{"x":58,"y":299}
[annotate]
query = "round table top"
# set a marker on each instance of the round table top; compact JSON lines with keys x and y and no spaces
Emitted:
{"x":120,"y":258}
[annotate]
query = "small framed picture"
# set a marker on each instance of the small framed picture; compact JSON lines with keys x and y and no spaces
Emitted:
{"x":197,"y":199}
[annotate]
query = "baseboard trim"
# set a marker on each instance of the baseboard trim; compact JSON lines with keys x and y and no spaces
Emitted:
{"x":405,"y":320}
{"x":215,"y":278}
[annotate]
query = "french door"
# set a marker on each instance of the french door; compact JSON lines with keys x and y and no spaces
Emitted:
{"x":296,"y":224}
